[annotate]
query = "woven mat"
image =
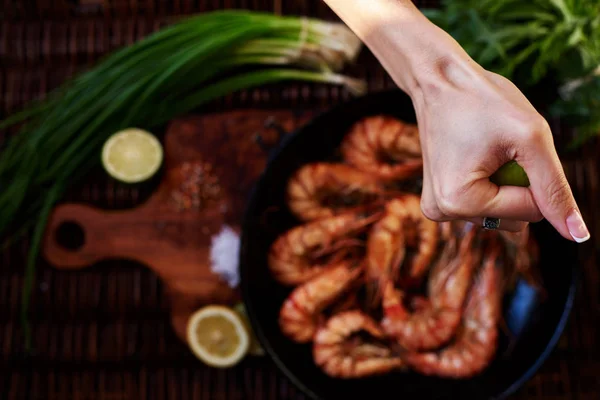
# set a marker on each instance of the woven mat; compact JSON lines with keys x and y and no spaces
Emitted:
{"x":103,"y":333}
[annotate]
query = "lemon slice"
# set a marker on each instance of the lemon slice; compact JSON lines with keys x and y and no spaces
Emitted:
{"x":255,"y":347}
{"x":218,"y":336}
{"x":132,"y":155}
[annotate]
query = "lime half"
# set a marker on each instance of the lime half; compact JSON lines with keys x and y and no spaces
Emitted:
{"x":510,"y":174}
{"x":132,"y":155}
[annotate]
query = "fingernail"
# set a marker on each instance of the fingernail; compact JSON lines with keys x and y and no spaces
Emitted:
{"x":577,"y":227}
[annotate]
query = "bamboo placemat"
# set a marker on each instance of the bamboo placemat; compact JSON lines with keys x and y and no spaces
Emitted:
{"x":103,"y":333}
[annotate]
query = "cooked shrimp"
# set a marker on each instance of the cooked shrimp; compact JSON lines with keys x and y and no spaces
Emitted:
{"x":402,"y":224}
{"x":449,"y":230}
{"x":420,"y":233}
{"x":322,"y":190}
{"x":477,"y":338}
{"x":384,"y":146}
{"x":436,"y":319}
{"x":298,"y":317}
{"x":524,"y":253}
{"x":303,"y":252}
{"x":348,"y":301}
{"x":445,"y":230}
{"x":341,"y":355}
{"x":385,"y":250}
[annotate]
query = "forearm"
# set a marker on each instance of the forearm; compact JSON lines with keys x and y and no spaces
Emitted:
{"x":414,"y":51}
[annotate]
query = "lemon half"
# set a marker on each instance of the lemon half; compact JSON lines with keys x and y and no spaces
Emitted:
{"x":218,"y":336}
{"x":132,"y":155}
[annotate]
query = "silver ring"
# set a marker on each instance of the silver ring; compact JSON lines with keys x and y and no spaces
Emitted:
{"x":491,"y":223}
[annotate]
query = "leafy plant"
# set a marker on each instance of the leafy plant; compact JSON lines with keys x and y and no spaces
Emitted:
{"x":534,"y":42}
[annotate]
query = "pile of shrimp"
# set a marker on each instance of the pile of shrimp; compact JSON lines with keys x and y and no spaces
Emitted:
{"x":375,"y":286}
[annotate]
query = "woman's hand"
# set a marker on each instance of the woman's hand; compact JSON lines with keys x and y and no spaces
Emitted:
{"x":471,"y":122}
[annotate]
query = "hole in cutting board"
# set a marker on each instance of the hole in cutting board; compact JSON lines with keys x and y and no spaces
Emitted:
{"x":70,"y":235}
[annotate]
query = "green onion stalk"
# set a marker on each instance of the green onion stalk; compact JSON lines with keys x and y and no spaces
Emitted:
{"x":169,"y":73}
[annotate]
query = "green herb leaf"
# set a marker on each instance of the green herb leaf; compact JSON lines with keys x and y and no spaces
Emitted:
{"x":534,"y":41}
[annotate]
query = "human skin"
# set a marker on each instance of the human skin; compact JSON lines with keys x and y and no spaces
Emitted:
{"x":471,"y":122}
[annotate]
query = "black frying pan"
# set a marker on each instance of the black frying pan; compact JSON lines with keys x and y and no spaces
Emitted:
{"x":536,"y":325}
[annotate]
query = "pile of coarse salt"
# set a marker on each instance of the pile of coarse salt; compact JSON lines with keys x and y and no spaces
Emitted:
{"x":224,"y":251}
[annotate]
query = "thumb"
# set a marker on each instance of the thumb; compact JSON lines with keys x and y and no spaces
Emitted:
{"x":552,"y":193}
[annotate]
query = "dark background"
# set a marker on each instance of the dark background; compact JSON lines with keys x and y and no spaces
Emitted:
{"x":103,"y":333}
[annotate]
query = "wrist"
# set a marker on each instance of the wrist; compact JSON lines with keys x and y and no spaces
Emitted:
{"x":418,"y":55}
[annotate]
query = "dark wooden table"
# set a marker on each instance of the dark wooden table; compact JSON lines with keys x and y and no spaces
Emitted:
{"x":103,"y":333}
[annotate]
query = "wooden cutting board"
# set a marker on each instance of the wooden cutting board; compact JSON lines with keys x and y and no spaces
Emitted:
{"x":211,"y":164}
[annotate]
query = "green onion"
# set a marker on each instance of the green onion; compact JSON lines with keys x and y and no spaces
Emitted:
{"x":171,"y":72}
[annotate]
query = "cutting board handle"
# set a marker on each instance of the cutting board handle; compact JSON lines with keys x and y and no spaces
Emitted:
{"x":69,"y":224}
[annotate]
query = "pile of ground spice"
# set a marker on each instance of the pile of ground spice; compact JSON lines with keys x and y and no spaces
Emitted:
{"x":199,"y":188}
